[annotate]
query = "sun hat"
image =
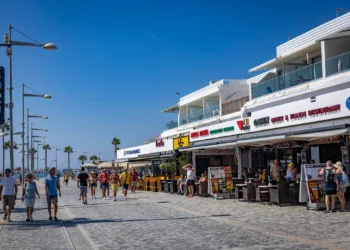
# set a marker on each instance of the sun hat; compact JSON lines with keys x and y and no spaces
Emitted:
{"x":291,"y":165}
{"x":338,"y":164}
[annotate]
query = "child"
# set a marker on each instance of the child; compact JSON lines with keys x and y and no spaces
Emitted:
{"x":28,"y":195}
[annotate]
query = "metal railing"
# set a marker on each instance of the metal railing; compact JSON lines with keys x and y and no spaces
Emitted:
{"x":200,"y":115}
{"x":291,"y":79}
{"x":338,"y":64}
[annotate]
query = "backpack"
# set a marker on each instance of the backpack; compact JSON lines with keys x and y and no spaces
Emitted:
{"x":330,"y":177}
{"x":345,"y":180}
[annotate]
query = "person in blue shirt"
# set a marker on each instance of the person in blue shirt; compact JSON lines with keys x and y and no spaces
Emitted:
{"x":52,"y":185}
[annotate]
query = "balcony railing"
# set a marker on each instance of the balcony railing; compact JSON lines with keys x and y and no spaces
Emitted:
{"x":291,"y":79}
{"x":338,"y":64}
{"x":200,"y":115}
{"x":171,"y":124}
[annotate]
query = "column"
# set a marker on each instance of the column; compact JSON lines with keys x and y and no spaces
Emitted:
{"x":323,"y":53}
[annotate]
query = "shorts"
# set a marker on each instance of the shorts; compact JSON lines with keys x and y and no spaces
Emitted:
{"x":342,"y":188}
{"x":9,"y":200}
{"x":190,"y":183}
{"x":330,"y":188}
{"x":29,"y":202}
{"x":104,"y":186}
{"x":125,"y":186}
{"x":134,"y":183}
{"x":66,"y":181}
{"x":115,"y":187}
{"x":83,"y":190}
{"x":52,"y":198}
{"x":92,"y":185}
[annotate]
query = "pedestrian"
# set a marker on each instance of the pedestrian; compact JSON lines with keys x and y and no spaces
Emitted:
{"x":66,"y":179}
{"x":52,"y":185}
{"x":115,"y":181}
{"x":107,"y":186}
{"x":125,"y":178}
{"x":8,"y":190}
{"x":93,"y":184}
{"x":28,"y":196}
{"x":82,"y":180}
{"x":330,"y":185}
{"x":190,"y":179}
{"x":134,"y":179}
{"x":343,"y":183}
{"x":275,"y":171}
{"x":20,"y":179}
{"x":103,"y":179}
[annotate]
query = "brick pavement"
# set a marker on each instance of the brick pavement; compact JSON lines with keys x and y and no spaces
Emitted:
{"x":163,"y":221}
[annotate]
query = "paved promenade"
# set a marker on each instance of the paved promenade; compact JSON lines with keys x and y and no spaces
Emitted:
{"x":163,"y":221}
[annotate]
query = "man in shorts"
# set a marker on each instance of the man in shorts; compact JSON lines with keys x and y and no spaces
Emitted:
{"x":82,"y":179}
{"x":8,"y":190}
{"x":103,"y":179}
{"x":52,"y":185}
{"x":115,"y":181}
{"x":125,"y":178}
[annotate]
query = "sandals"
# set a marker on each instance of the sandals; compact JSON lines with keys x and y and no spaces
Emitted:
{"x":9,"y":220}
{"x":5,"y":216}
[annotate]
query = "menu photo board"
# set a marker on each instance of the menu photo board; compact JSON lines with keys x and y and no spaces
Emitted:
{"x":314,"y":183}
{"x":220,"y":180}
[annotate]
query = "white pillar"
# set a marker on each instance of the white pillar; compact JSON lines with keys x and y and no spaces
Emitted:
{"x":323,"y":53}
{"x":239,"y":162}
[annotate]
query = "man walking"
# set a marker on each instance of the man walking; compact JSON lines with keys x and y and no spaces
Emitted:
{"x":103,"y":179}
{"x":125,"y":178}
{"x":8,"y":190}
{"x":51,"y":186}
{"x":115,"y":181}
{"x":82,"y":179}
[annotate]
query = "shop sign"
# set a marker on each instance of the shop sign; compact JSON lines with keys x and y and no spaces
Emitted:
{"x":216,"y":131}
{"x":279,"y":119}
{"x":243,"y":124}
{"x":131,"y":152}
{"x":200,"y":133}
{"x":160,"y":143}
{"x":324,"y":110}
{"x":262,"y":121}
{"x":229,"y":129}
{"x":181,"y":141}
{"x":348,"y":103}
{"x":299,"y":115}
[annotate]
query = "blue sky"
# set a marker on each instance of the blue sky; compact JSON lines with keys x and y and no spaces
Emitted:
{"x":119,"y":63}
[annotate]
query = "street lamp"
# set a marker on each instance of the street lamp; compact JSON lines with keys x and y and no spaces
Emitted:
{"x":57,"y":149}
{"x":9,"y":43}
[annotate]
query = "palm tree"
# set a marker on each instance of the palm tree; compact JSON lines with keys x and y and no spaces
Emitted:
{"x":93,"y":158}
{"x":46,"y":147}
{"x":116,"y":143}
{"x":82,"y":158}
{"x":32,"y":152}
{"x":7,"y":145}
{"x":68,"y":150}
{"x":4,"y":128}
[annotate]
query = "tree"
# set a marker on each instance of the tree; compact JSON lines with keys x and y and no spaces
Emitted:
{"x":68,"y":150}
{"x":32,"y":152}
{"x":171,"y":124}
{"x":116,"y":143}
{"x":4,"y":128}
{"x":46,"y":147}
{"x":93,"y":158}
{"x":7,"y":145}
{"x":82,"y":158}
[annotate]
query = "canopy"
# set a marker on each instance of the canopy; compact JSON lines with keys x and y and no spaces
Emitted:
{"x":89,"y":165}
{"x":318,"y":135}
{"x":106,"y":165}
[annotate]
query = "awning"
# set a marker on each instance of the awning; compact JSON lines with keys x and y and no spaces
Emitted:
{"x":89,"y":165}
{"x":262,"y":141}
{"x":318,"y":135}
{"x":223,"y":145}
{"x":104,"y":165}
{"x":146,"y":156}
{"x":167,"y":155}
{"x":139,"y":164}
{"x":172,"y":109}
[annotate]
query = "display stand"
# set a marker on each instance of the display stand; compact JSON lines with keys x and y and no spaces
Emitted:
{"x":220,"y":184}
{"x":311,"y":186}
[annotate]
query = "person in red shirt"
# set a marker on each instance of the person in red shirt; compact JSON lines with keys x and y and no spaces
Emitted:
{"x":104,"y":183}
{"x":134,"y":180}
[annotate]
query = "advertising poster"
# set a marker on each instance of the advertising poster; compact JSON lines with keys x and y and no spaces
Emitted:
{"x":220,"y":179}
{"x":314,"y":183}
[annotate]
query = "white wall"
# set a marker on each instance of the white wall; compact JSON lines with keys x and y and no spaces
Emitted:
{"x":337,"y":47}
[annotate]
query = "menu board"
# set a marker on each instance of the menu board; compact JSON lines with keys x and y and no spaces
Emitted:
{"x":314,"y":183}
{"x":220,"y":180}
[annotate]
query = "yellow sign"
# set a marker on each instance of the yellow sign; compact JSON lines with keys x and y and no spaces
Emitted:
{"x":182,"y":141}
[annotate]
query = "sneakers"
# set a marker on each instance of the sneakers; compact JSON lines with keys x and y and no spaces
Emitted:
{"x":50,"y":218}
{"x":104,"y":198}
{"x":27,"y":220}
{"x":115,"y":199}
{"x":108,"y":198}
{"x":55,"y":218}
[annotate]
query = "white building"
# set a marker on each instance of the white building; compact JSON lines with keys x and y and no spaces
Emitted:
{"x":299,"y":108}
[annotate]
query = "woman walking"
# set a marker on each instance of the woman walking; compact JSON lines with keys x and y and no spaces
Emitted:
{"x":93,"y":184}
{"x":28,"y":196}
{"x":343,"y":183}
{"x":330,"y":185}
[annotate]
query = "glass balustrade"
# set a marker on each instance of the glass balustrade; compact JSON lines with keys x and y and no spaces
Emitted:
{"x":200,"y":115}
{"x":291,"y":79}
{"x":338,"y":64}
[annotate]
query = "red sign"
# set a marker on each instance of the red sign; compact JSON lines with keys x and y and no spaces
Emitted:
{"x":324,"y":110}
{"x":243,"y":124}
{"x":160,"y":143}
{"x":277,"y":119}
{"x":204,"y":132}
{"x":194,"y":134}
{"x":298,"y":115}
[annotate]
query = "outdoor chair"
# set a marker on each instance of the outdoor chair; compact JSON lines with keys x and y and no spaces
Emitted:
{"x":172,"y":186}
{"x":140,"y":185}
{"x":280,"y":195}
{"x":203,"y":189}
{"x":249,"y":192}
{"x":262,"y":193}
{"x":294,"y":193}
{"x":166,"y":187}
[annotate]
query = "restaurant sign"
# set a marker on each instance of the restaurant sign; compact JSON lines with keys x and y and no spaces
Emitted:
{"x":160,"y":143}
{"x":206,"y":132}
{"x":132,"y":152}
{"x":243,"y":124}
{"x":181,"y":141}
{"x":262,"y":121}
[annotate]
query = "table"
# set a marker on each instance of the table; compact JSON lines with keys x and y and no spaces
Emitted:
{"x":239,"y":191}
{"x":268,"y":186}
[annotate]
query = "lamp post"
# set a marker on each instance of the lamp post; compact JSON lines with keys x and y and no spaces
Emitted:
{"x":37,"y":156}
{"x":23,"y":126}
{"x":32,"y":116}
{"x":9,"y":43}
{"x":56,"y":149}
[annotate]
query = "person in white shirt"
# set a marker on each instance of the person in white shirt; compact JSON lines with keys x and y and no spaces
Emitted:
{"x":190,"y":179}
{"x":8,"y":191}
{"x":275,"y":171}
